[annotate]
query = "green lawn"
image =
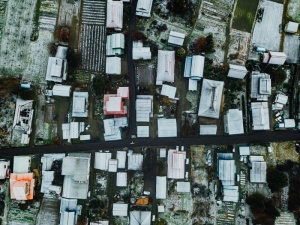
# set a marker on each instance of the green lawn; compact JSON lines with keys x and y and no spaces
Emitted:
{"x":244,"y":15}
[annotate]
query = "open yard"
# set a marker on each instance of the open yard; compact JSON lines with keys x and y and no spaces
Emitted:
{"x":244,"y":15}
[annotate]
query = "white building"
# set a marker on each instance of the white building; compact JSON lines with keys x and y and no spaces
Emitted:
{"x":260,"y":115}
{"x":4,"y":169}
{"x":143,"y":8}
{"x":165,"y":66}
{"x":161,"y":187}
{"x":233,"y":122}
{"x":72,"y":130}
{"x":121,"y":157}
{"x":260,"y":86}
{"x":167,"y":127}
{"x":61,"y":90}
{"x":56,"y":69}
{"x":23,"y":116}
{"x":69,"y":211}
{"x":183,"y":187}
{"x":208,"y":129}
{"x":230,"y":193}
{"x":135,"y":161}
{"x":22,"y":164}
{"x":101,"y":160}
{"x":113,"y":65}
{"x":144,"y":108}
{"x":226,"y":168}
{"x":120,"y":209}
{"x":115,"y":44}
{"x":139,"y":52}
{"x":193,"y":85}
{"x":114,"y":15}
{"x":244,"y":150}
{"x":277,"y":58}
{"x":291,"y":27}
{"x":143,"y":131}
{"x":176,"y":164}
{"x":237,"y":71}
{"x":80,"y":104}
{"x":210,"y":99}
{"x":258,"y":171}
{"x":140,"y":218}
{"x":289,"y":123}
{"x":112,"y":128}
{"x":168,"y":91}
{"x":121,"y":179}
{"x":194,"y":66}
{"x":176,"y":39}
{"x":280,"y":101}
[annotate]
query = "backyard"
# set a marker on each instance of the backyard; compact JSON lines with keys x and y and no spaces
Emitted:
{"x":244,"y":15}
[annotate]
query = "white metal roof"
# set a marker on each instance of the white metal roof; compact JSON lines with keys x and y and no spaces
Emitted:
{"x":76,"y":166}
{"x":176,"y":38}
{"x":230,"y":193}
{"x":260,"y":115}
{"x":277,"y":58}
{"x":114,"y":14}
{"x":112,"y":165}
{"x":289,"y":123}
{"x":140,"y":218}
{"x":197,"y":67}
{"x":80,"y":104}
{"x":112,"y":128}
{"x":162,"y":152}
{"x":210,"y":99}
{"x":165,"y":66}
{"x":176,"y":164}
{"x":184,"y":187}
{"x":187,"y":66}
{"x":193,"y":85}
{"x":114,"y":103}
{"x":4,"y":168}
{"x":226,"y":171}
{"x":115,"y":44}
{"x":61,"y":52}
{"x":139,"y":52}
{"x":61,"y":90}
{"x":281,"y":99}
{"x":208,"y":129}
{"x":121,"y":157}
{"x":21,"y":164}
{"x":56,"y":69}
{"x":135,"y":161}
{"x":113,"y":65}
{"x":168,"y":91}
{"x":260,"y":90}
{"x":234,"y":122}
{"x":143,"y":8}
{"x":291,"y":27}
{"x":161,"y":187}
{"x":244,"y":150}
{"x":121,"y":179}
{"x":237,"y":71}
{"x":74,"y":130}
{"x":167,"y":127}
{"x":120,"y":209}
{"x":258,"y":172}
{"x":20,"y":118}
{"x":74,"y":189}
{"x":101,"y":160}
{"x":142,"y":131}
{"x":144,"y":108}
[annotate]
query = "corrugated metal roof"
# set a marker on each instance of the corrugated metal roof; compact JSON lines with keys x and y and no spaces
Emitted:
{"x":161,"y":187}
{"x":167,"y":127}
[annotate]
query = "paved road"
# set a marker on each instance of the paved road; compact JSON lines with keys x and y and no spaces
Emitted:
{"x":131,"y":73}
{"x":258,"y":137}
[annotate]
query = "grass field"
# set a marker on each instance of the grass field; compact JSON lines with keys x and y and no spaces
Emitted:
{"x":244,"y":15}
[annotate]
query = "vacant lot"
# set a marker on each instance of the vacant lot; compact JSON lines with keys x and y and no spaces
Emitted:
{"x":244,"y":15}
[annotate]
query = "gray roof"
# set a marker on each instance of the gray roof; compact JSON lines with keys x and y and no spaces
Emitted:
{"x":258,"y":172}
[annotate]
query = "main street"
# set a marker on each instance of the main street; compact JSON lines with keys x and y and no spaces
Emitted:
{"x":258,"y":137}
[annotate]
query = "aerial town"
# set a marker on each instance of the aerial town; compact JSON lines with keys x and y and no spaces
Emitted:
{"x":149,"y":112}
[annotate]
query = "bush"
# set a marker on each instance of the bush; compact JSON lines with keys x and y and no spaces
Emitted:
{"x":276,"y":179}
{"x":180,"y":52}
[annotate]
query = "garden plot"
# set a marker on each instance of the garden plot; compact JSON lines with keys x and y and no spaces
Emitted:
{"x":294,"y":10}
{"x":66,"y":13}
{"x":93,"y":36}
{"x":238,"y":47}
{"x":3,"y":4}
{"x":266,"y":32}
{"x":291,"y":46}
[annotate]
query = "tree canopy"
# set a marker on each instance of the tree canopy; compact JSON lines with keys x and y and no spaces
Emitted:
{"x":99,"y":85}
{"x":203,"y":45}
{"x":276,"y":179}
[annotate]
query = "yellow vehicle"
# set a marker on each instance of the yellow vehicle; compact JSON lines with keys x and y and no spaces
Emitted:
{"x":142,"y":201}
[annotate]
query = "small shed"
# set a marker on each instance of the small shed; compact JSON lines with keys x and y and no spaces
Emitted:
{"x":121,"y":179}
{"x":113,"y":65}
{"x":120,"y":209}
{"x":176,"y":39}
{"x":291,"y":27}
{"x":142,"y":131}
{"x":183,"y":187}
{"x":121,"y":157}
{"x":161,"y":187}
{"x":244,"y":150}
{"x":168,"y":91}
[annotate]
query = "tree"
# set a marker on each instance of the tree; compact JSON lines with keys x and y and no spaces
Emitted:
{"x":179,"y":6}
{"x":138,"y":36}
{"x":52,"y":47}
{"x":278,"y":75}
{"x":276,"y":179}
{"x":99,"y":85}
{"x":72,"y":58}
{"x":256,"y":202}
{"x":180,"y":52}
{"x":210,"y":43}
{"x":200,"y":45}
{"x":63,"y":34}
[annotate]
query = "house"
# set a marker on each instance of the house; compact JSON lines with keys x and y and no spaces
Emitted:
{"x":21,"y":186}
{"x":165,"y":66}
{"x":22,"y":164}
{"x":289,"y":123}
{"x":113,"y":65}
{"x":113,"y":105}
{"x":120,"y":209}
{"x":237,"y":71}
{"x":168,"y":91}
{"x":114,"y":15}
{"x":121,"y":157}
{"x":140,"y":218}
{"x":143,"y":8}
{"x":61,"y":90}
{"x":176,"y":39}
{"x":115,"y":44}
{"x":230,"y":193}
{"x":123,"y":92}
{"x":113,"y":128}
{"x":56,"y":69}
{"x":210,"y":99}
{"x":76,"y":169}
{"x":112,"y":165}
{"x":167,"y":127}
{"x":258,"y":170}
{"x":80,"y":104}
{"x":139,"y":52}
{"x":144,"y":108}
{"x":194,"y":66}
{"x":183,"y":187}
{"x":233,"y":122}
{"x":193,"y":85}
{"x":4,"y":169}
{"x":277,"y":58}
{"x":291,"y":27}
{"x":135,"y":161}
{"x":176,"y":164}
{"x":244,"y":150}
{"x":143,"y":131}
{"x":121,"y":179}
{"x":280,"y":101}
{"x":161,"y":187}
{"x":69,"y":211}
{"x":72,"y":130}
{"x":260,"y":116}
{"x":47,"y":187}
{"x":101,"y":160}
{"x":226,"y":169}
{"x":23,"y":116}
{"x":208,"y":129}
{"x":260,"y":86}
